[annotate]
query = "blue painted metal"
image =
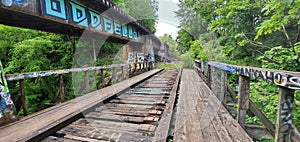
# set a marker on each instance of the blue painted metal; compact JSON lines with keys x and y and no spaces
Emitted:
{"x":130,"y":32}
{"x":118,"y":29}
{"x":95,"y":20}
{"x":108,"y":25}
{"x":125,"y":31}
{"x":78,"y":14}
{"x":55,"y":8}
{"x":222,"y":66}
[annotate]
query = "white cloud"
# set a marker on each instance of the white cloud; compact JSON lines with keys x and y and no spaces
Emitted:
{"x":166,"y":28}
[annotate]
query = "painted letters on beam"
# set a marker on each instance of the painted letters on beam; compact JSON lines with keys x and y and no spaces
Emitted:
{"x":86,"y":17}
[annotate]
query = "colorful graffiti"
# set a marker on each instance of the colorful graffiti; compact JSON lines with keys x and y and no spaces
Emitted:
{"x":87,"y":17}
{"x":78,"y":14}
{"x":7,"y":108}
{"x":279,"y":78}
{"x":56,"y":72}
{"x":286,"y":115}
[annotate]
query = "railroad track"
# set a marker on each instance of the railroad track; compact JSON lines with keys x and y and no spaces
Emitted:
{"x":141,"y":113}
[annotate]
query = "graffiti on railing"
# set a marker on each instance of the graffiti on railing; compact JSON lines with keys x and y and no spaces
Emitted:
{"x":286,"y":115}
{"x":56,"y":72}
{"x":279,"y":78}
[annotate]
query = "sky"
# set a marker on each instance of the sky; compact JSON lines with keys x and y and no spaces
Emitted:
{"x":167,"y":22}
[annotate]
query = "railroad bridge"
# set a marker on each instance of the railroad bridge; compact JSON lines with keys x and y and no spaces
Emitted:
{"x":142,"y":103}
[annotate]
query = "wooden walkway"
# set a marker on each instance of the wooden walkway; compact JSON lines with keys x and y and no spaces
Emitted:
{"x":41,"y":122}
{"x":201,"y":116}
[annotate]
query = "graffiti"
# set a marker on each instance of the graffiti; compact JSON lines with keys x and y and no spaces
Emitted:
{"x":81,"y":15}
{"x":134,"y":34}
{"x":278,"y":78}
{"x":7,"y":107}
{"x":78,"y":14}
{"x":55,"y":8}
{"x":118,"y":30}
{"x":108,"y":25}
{"x":223,"y":67}
{"x":286,"y":115}
{"x":56,"y":72}
{"x":130,"y":32}
{"x":7,"y":3}
{"x":125,"y":30}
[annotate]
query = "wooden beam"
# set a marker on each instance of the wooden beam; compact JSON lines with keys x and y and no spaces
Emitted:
{"x":243,"y":100}
{"x":102,"y":77}
{"x":284,"y":115}
{"x":223,"y":87}
{"x":23,"y":97}
{"x":62,"y":88}
{"x":114,"y":75}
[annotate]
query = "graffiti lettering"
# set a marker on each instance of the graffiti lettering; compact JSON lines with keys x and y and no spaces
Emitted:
{"x":285,"y":80}
{"x":95,"y":20}
{"x":286,"y":115}
{"x":118,"y":28}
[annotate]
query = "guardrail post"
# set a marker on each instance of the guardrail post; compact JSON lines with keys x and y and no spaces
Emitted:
{"x":86,"y":81}
{"x":209,"y":75}
{"x":102,"y":77}
{"x":284,"y":115}
{"x":23,"y":97}
{"x":114,"y":75}
{"x":123,"y":74}
{"x":243,"y":100}
{"x":223,"y":87}
{"x":61,"y":88}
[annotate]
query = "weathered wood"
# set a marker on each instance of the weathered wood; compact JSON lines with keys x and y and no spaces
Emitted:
{"x":243,"y":100}
{"x":162,"y":130}
{"x":258,"y":132}
{"x":87,"y":81}
{"x":55,"y":115}
{"x":223,"y":87}
{"x":201,"y":116}
{"x":62,"y":88}
{"x":114,"y":75}
{"x":54,"y":99}
{"x":284,"y":115}
{"x":255,"y":110}
{"x":23,"y":97}
{"x":102,"y":77}
{"x":123,"y":74}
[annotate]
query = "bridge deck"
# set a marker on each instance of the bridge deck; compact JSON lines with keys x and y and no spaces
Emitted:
{"x":201,"y":116}
{"x":41,"y":122}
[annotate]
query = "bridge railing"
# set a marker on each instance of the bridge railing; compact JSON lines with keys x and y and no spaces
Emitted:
{"x":215,"y":75}
{"x":125,"y":71}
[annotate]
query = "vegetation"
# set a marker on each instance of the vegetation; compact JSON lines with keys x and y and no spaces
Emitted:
{"x":253,"y":33}
{"x":144,"y":11}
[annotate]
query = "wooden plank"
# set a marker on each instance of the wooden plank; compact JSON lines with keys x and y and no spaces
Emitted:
{"x":187,"y":126}
{"x":162,"y":130}
{"x":90,"y":131}
{"x":53,"y":116}
{"x":243,"y":100}
{"x":213,"y":122}
{"x":284,"y":115}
